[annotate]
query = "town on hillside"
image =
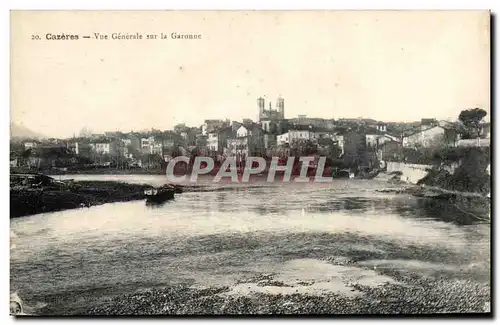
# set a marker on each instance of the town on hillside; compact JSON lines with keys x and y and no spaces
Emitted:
{"x":358,"y":144}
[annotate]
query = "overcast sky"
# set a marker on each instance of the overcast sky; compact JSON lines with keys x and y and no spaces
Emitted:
{"x":391,"y":66}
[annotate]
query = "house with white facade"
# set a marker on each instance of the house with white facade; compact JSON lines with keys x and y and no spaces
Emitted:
{"x":30,"y":145}
{"x":249,"y":140}
{"x":381,"y":127}
{"x":375,"y":140}
{"x":296,"y":133}
{"x":107,"y":147}
{"x":157,"y":148}
{"x":242,"y":131}
{"x":147,"y":142}
{"x":282,"y":139}
{"x":338,"y":140}
{"x":424,"y":138}
{"x":300,"y":134}
{"x":213,"y":141}
{"x":238,"y":147}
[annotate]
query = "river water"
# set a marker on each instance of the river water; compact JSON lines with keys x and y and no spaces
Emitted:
{"x":72,"y":260}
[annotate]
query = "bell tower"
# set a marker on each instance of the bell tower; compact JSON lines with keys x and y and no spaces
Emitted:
{"x":261,"y":104}
{"x":280,"y":106}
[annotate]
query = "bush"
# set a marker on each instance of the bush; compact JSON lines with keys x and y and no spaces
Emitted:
{"x":469,"y":176}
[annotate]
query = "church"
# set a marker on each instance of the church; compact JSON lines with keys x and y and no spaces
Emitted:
{"x":269,"y":114}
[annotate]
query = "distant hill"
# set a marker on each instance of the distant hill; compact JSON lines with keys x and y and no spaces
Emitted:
{"x":18,"y":131}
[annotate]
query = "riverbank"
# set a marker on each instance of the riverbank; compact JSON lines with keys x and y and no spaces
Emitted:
{"x":93,"y":171}
{"x":27,"y":201}
{"x":466,"y":202}
{"x":401,"y":293}
{"x":452,"y":171}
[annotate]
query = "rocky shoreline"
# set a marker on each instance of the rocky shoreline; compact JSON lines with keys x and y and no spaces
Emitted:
{"x":430,"y":298}
{"x":26,"y":200}
{"x":407,"y":293}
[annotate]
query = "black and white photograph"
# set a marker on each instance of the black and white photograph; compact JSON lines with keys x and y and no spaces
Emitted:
{"x":250,"y":162}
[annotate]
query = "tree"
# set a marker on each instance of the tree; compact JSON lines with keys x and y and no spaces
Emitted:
{"x":471,"y":120}
{"x":303,"y":147}
{"x":85,"y":132}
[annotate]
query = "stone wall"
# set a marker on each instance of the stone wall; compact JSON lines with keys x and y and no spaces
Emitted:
{"x":411,"y":173}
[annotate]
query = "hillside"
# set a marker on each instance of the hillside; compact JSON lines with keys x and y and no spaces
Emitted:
{"x":18,"y":131}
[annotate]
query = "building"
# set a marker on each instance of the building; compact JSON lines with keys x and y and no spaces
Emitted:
{"x":147,"y":145}
{"x":305,"y":132}
{"x":427,"y":123}
{"x":338,"y":140}
{"x":217,"y":140}
{"x":31,"y":144}
{"x":126,"y":142}
{"x":303,"y":120}
{"x":270,"y":140}
{"x":238,"y":147}
{"x":390,"y":151}
{"x":104,"y":147}
{"x":270,"y":114}
{"x":133,"y":142}
{"x":147,"y":142}
{"x":283,"y":139}
{"x":209,"y":126}
{"x":381,"y":127}
{"x":375,"y":140}
{"x":157,"y":148}
{"x":425,"y":138}
{"x":168,"y":144}
{"x":322,"y":133}
{"x":249,"y":141}
{"x":81,"y":148}
{"x":74,"y":146}
{"x":112,"y":134}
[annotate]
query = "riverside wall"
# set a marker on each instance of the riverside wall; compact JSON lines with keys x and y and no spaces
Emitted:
{"x":411,"y":173}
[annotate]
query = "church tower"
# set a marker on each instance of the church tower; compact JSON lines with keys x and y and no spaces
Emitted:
{"x":280,"y":106}
{"x":261,"y":104}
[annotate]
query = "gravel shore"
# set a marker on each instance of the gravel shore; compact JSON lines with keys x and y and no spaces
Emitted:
{"x":421,"y":297}
{"x":405,"y":293}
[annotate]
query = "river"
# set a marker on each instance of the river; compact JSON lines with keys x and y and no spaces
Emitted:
{"x":329,"y":235}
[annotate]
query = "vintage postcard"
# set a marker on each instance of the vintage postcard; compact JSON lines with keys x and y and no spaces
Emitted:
{"x":250,"y":162}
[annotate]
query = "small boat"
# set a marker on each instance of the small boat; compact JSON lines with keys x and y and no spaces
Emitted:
{"x":159,"y":195}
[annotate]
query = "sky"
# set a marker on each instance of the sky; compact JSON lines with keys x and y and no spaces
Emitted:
{"x":389,"y":66}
